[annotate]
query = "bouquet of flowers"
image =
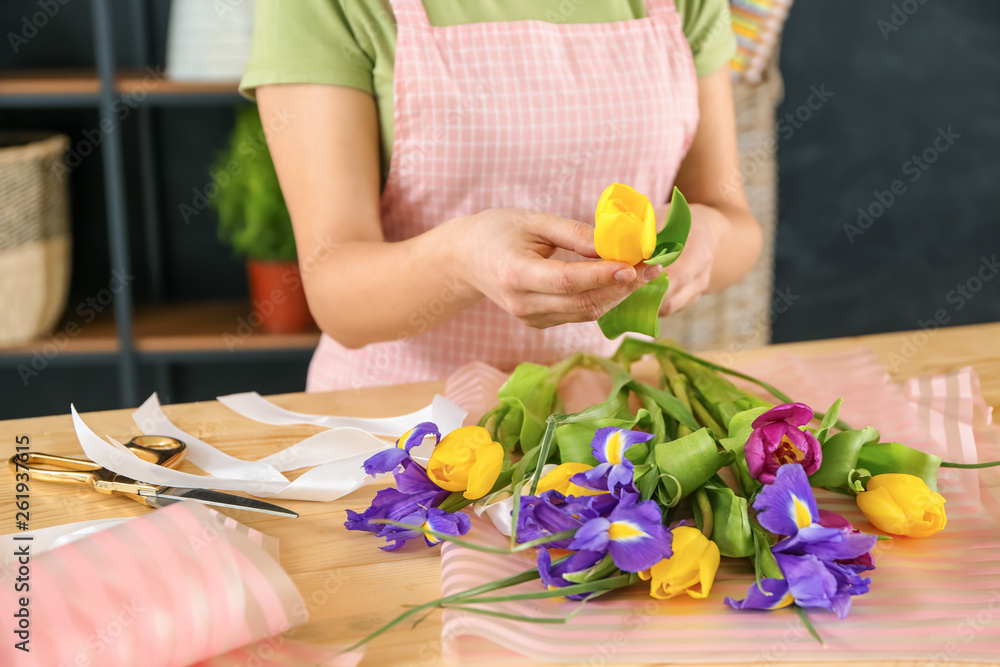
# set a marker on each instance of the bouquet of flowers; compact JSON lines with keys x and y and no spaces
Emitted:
{"x":660,"y":480}
{"x":656,"y":484}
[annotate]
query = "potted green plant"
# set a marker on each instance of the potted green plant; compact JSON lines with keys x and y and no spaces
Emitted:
{"x":253,"y":219}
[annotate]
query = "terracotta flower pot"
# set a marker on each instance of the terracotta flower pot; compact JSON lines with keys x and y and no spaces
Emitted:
{"x":279,"y":300}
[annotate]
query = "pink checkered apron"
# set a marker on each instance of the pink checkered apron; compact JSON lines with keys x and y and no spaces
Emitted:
{"x":519,"y":114}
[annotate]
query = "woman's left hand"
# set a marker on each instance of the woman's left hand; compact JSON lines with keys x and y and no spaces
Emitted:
{"x":691,"y":273}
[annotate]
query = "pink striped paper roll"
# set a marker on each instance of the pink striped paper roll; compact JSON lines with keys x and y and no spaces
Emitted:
{"x":173,"y":587}
{"x":932,"y":601}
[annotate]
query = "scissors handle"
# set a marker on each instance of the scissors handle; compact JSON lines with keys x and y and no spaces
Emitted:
{"x":159,"y":449}
{"x":59,"y":468}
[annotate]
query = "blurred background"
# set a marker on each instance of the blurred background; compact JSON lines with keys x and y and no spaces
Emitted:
{"x":883,"y":140}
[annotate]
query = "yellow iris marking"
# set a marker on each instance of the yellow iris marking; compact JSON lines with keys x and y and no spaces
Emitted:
{"x":623,"y":530}
{"x":784,"y":602}
{"x":401,"y":443}
{"x":427,"y":526}
{"x":803,"y":517}
{"x":614,"y":448}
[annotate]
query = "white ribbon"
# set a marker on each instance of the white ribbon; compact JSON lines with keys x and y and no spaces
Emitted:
{"x":252,"y":405}
{"x":498,"y":507}
{"x":336,"y":455}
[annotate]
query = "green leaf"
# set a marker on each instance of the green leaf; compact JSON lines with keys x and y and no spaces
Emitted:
{"x":640,"y":311}
{"x":689,"y":462}
{"x":764,"y":564}
{"x":253,"y":217}
{"x":808,"y":624}
{"x":677,"y":227}
{"x":526,"y":400}
{"x":599,"y":570}
{"x":669,"y":403}
{"x":840,"y":456}
{"x":574,"y":438}
{"x":892,"y":457}
{"x":831,"y":416}
{"x":731,"y":520}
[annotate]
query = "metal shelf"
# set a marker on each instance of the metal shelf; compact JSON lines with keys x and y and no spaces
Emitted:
{"x":148,"y":335}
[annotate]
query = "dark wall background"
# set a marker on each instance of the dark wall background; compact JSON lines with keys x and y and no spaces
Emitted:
{"x":892,"y":90}
{"x":198,"y":266}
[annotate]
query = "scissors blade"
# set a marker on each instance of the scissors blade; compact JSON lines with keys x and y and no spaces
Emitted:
{"x":219,"y":499}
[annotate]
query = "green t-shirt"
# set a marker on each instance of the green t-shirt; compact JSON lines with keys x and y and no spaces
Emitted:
{"x":353,"y":42}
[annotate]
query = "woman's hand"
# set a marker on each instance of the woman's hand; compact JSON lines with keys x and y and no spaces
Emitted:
{"x":691,"y":274}
{"x":505,"y":255}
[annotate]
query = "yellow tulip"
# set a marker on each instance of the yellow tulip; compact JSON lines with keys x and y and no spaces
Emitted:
{"x":467,"y":459}
{"x":903,"y":505}
{"x":558,"y":479}
{"x":691,"y":569}
{"x":624,"y":225}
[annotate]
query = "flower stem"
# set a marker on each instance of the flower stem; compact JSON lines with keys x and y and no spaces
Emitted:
{"x":445,"y":537}
{"x":705,"y":417}
{"x":678,"y":386}
{"x":968,"y":466}
{"x":527,"y":575}
{"x":809,"y":626}
{"x":707,"y":518}
{"x":771,"y":389}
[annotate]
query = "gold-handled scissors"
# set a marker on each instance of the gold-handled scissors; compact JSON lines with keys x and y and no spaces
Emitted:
{"x":159,"y":449}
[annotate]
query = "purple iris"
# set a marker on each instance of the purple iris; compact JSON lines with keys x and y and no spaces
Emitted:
{"x":389,"y":459}
{"x":553,"y":576}
{"x":552,"y":512}
{"x":431,"y":519}
{"x":777,"y":440}
{"x":414,"y":492}
{"x":833,"y":520}
{"x":614,"y":473}
{"x":633,"y":534}
{"x":820,"y":563}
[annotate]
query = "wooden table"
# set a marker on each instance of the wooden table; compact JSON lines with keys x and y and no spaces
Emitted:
{"x":350,"y":586}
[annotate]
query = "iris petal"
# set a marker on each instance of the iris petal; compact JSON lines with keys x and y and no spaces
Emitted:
{"x":774,"y":595}
{"x":416,"y":435}
{"x":610,"y":444}
{"x":385,"y":461}
{"x":783,"y":504}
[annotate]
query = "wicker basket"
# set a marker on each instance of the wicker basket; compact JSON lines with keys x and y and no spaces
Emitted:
{"x":740,"y":317}
{"x":34,"y":234}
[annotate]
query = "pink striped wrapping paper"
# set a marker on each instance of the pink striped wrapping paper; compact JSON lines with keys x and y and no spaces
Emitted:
{"x":933,"y":601}
{"x":184,"y":585}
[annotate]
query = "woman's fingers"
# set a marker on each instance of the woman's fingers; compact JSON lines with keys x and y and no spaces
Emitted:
{"x":586,"y":306}
{"x":562,"y":233}
{"x":549,"y":276}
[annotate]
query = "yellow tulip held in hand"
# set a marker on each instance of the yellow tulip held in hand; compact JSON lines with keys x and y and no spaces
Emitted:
{"x":467,"y":459}
{"x":691,"y":569}
{"x":903,"y":505}
{"x":624,"y":225}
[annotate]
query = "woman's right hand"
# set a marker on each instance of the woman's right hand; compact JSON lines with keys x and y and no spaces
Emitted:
{"x":505,"y":255}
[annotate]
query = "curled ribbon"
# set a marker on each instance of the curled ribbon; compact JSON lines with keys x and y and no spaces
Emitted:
{"x":335,"y":455}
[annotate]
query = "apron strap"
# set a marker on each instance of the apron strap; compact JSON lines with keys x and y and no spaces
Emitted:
{"x":656,"y":7}
{"x":409,"y":13}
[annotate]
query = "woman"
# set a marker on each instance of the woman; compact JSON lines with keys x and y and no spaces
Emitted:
{"x":436,"y":155}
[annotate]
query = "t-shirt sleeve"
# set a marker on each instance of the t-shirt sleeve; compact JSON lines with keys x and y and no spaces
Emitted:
{"x":708,"y":27}
{"x":305,"y":41}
